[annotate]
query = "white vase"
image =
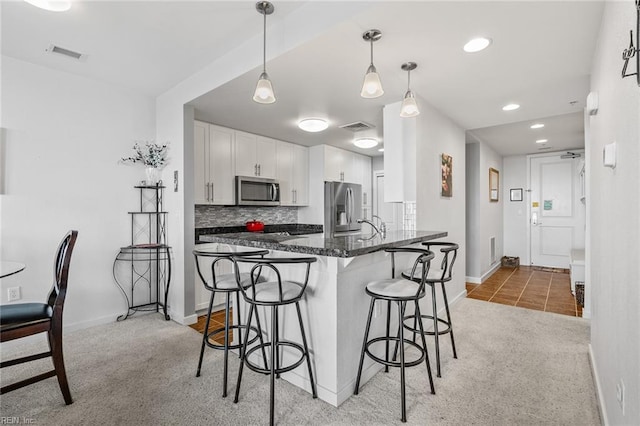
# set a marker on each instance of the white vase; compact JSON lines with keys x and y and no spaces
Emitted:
{"x":153,"y":175}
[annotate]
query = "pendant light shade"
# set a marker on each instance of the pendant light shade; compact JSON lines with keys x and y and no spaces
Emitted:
{"x":264,"y":90}
{"x":372,"y":86}
{"x":409,"y":105}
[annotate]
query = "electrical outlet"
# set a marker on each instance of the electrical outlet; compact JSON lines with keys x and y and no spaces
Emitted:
{"x":13,"y":293}
{"x":620,"y":394}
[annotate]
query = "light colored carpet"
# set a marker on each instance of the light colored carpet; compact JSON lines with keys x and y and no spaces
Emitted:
{"x":515,"y":367}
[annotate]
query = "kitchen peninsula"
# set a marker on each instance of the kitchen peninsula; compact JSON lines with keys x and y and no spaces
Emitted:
{"x":336,"y":305}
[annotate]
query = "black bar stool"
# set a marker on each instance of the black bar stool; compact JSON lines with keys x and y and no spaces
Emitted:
{"x":274,"y":294}
{"x":449,"y":253}
{"x":400,"y":290}
{"x":227,"y":284}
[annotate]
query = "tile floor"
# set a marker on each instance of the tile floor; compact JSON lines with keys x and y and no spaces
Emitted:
{"x":217,"y":321}
{"x":531,"y":287}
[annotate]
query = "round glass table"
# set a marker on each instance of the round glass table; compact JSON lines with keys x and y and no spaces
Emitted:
{"x":9,"y":268}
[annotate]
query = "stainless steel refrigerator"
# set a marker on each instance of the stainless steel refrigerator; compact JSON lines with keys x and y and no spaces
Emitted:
{"x":342,"y":208}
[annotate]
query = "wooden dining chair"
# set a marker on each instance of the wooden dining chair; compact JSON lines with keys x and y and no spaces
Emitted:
{"x":25,"y":319}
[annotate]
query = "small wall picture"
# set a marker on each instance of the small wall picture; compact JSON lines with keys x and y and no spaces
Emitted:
{"x":494,"y":184}
{"x":447,"y":175}
{"x":515,"y":194}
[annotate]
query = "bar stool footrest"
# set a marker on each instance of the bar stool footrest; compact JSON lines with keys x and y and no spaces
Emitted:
{"x":230,"y":346}
{"x":428,"y":333}
{"x":281,"y":369}
{"x":394,"y":363}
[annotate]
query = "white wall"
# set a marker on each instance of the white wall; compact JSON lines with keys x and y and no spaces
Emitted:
{"x":515,"y":212}
{"x":488,"y":214}
{"x":437,"y":134}
{"x":472,"y":187}
{"x":64,"y":137}
{"x":613,"y":207}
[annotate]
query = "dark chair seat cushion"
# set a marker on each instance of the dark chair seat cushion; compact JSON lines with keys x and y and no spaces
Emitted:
{"x":22,"y":313}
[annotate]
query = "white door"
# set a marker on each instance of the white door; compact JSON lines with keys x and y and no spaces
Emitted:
{"x":557,"y":217}
{"x":390,"y":213}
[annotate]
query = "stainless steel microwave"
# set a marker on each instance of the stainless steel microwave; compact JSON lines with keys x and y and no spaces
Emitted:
{"x":255,"y":191}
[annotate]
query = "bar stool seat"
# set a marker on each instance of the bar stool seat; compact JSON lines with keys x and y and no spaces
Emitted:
{"x":401,"y":291}
{"x":440,"y":275}
{"x":228,"y":284}
{"x":269,"y":292}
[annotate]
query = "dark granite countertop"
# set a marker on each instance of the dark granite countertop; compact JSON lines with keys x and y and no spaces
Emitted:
{"x":291,"y":228}
{"x":317,"y":244}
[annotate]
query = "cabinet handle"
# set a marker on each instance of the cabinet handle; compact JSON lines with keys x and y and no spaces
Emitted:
{"x":259,"y":173}
{"x":255,"y":170}
{"x":364,"y":196}
{"x":206,"y":191}
{"x":212,"y":193}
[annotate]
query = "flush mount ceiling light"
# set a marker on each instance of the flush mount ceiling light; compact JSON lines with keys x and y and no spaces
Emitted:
{"x":510,"y":107}
{"x":542,"y":141}
{"x":477,"y":44}
{"x":51,"y":5}
{"x":409,"y":106}
{"x":381,"y":150}
{"x":371,"y":87}
{"x":365,"y":143}
{"x":264,"y":90}
{"x":537,"y":126}
{"x":313,"y":124}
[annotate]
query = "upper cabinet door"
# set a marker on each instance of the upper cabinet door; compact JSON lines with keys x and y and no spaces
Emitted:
{"x":221,"y":173}
{"x":300,"y":177}
{"x":246,"y":164}
{"x":266,"y":157}
{"x":201,"y":163}
{"x":334,"y":164}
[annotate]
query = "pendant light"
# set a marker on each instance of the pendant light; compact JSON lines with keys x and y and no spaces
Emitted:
{"x":264,"y":91}
{"x":372,"y":87}
{"x":409,"y":106}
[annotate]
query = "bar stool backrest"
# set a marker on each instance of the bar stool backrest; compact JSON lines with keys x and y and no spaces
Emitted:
{"x":421,"y":264}
{"x":221,"y":256}
{"x":449,"y":253}
{"x":270,"y":263}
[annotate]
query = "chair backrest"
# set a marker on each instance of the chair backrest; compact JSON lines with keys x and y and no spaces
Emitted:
{"x":220,"y":256}
{"x":449,"y":253}
{"x":61,"y":272}
{"x":421,"y":265}
{"x":270,"y":263}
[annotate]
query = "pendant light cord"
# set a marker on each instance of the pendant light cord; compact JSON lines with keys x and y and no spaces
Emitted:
{"x":408,"y":80}
{"x":371,"y":42}
{"x":264,"y":42}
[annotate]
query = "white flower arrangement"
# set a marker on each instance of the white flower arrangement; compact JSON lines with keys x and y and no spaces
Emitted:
{"x":151,"y":155}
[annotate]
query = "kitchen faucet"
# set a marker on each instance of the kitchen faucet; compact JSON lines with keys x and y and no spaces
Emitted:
{"x":382,"y":230}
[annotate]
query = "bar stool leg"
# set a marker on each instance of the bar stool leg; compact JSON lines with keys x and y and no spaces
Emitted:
{"x":277,"y":339}
{"x":243,"y":350}
{"x":386,"y":367}
{"x":446,"y":307}
{"x":274,"y":350}
{"x":424,"y":345}
{"x":237,"y":309}
{"x":435,"y":327}
{"x":306,"y":351}
{"x":205,"y":333}
{"x":402,"y":376}
{"x":262,"y":346}
{"x":226,"y":345}
{"x":364,"y":344}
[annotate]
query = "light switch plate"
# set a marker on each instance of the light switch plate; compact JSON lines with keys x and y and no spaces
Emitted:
{"x":609,"y":155}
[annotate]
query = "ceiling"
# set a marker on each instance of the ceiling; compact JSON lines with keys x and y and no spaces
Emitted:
{"x":540,"y":58}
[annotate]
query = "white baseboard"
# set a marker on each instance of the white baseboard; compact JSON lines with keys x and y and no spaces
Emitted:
{"x":599,"y":393}
{"x":473,"y":280}
{"x":490,"y":271}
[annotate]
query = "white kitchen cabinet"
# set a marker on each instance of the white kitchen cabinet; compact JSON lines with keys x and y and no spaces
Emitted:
{"x":255,"y":155}
{"x":336,"y":163}
{"x":366,"y":182}
{"x":293,"y":173}
{"x":213,"y":164}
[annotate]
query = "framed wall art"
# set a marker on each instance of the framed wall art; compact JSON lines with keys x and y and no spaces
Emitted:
{"x":446,"y":168}
{"x":494,"y":184}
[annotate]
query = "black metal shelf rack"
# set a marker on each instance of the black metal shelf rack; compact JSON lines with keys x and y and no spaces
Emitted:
{"x":142,"y":270}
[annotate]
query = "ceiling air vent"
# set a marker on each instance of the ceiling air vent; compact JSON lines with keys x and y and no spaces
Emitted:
{"x":357,"y":126}
{"x":66,"y":52}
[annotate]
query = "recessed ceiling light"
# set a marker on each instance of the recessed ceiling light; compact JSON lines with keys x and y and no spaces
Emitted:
{"x":537,"y":126}
{"x":381,"y":150}
{"x":542,"y":141}
{"x":313,"y":124}
{"x":477,"y":44}
{"x":510,"y":107}
{"x":51,"y":5}
{"x":365,"y":143}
